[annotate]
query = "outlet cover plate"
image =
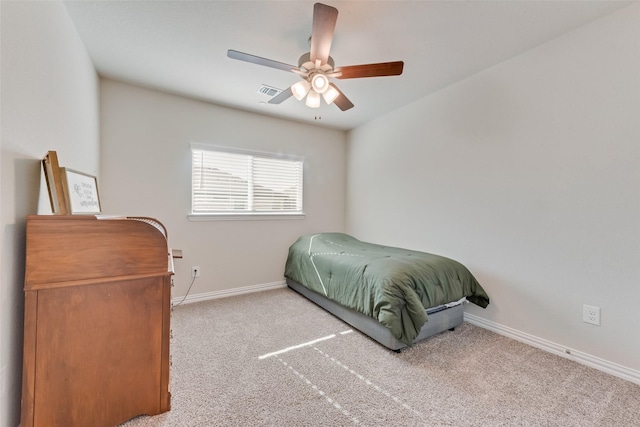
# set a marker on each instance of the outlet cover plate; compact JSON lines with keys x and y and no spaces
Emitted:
{"x":3,"y":381}
{"x":195,"y":271}
{"x":591,"y":314}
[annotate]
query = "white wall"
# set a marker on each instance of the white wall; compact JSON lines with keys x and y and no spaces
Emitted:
{"x":49,"y":101}
{"x":146,"y":170}
{"x":528,"y":173}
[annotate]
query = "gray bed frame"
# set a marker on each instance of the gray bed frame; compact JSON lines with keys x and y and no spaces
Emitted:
{"x":439,"y":321}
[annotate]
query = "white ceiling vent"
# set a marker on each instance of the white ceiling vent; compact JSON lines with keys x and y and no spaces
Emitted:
{"x":269,"y":90}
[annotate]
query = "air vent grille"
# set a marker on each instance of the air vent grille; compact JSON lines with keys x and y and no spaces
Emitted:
{"x":269,"y":90}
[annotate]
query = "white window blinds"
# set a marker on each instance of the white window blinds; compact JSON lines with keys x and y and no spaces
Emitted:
{"x":240,"y":182}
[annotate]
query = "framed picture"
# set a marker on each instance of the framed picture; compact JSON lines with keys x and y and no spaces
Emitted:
{"x":81,"y":192}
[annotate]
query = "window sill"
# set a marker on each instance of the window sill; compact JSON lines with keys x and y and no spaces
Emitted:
{"x":244,"y":217}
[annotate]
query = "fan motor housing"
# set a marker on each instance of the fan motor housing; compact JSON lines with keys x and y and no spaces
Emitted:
{"x":306,"y":63}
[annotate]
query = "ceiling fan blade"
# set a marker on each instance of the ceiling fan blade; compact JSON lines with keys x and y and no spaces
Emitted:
{"x":341,"y":101}
{"x":324,"y":23}
{"x":282,"y":96}
{"x":234,"y":54}
{"x":371,"y":70}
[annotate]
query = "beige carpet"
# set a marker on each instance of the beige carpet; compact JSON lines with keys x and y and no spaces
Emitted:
{"x":240,"y":361}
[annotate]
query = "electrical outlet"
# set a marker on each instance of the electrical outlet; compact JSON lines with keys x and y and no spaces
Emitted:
{"x":591,"y":314}
{"x":195,"y":272}
{"x":3,"y":381}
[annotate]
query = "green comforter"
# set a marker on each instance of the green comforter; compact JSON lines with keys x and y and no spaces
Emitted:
{"x":392,"y":285}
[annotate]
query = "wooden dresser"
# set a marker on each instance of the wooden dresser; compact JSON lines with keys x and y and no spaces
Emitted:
{"x":96,"y":320}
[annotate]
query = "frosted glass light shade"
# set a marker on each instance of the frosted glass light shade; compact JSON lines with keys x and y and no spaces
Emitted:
{"x":313,"y":99}
{"x":300,"y":89}
{"x":330,"y":94}
{"x":319,"y":83}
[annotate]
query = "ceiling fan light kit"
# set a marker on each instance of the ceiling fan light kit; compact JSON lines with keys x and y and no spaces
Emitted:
{"x":316,"y":67}
{"x":319,"y":86}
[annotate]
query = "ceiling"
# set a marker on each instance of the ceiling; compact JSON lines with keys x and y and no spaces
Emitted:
{"x":181,"y":47}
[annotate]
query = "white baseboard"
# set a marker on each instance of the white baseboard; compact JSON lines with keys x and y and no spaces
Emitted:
{"x":229,"y":292}
{"x":551,"y":347}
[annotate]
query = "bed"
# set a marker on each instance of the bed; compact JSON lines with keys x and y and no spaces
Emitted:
{"x":396,"y":296}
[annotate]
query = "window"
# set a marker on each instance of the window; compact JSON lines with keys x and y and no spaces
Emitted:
{"x":237,"y":182}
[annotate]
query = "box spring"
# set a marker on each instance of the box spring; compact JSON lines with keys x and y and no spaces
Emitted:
{"x":439,"y":321}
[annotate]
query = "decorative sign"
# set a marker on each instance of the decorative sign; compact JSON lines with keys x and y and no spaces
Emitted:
{"x":81,"y":191}
{"x":54,"y":183}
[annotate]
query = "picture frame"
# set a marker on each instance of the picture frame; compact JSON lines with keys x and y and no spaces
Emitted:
{"x":80,"y":192}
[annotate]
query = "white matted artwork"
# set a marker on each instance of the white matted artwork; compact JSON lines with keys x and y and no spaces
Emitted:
{"x":81,"y":191}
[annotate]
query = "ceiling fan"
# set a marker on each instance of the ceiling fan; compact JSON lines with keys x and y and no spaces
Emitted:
{"x":316,"y":67}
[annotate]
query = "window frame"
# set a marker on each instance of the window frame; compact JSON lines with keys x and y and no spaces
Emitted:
{"x":246,"y":215}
